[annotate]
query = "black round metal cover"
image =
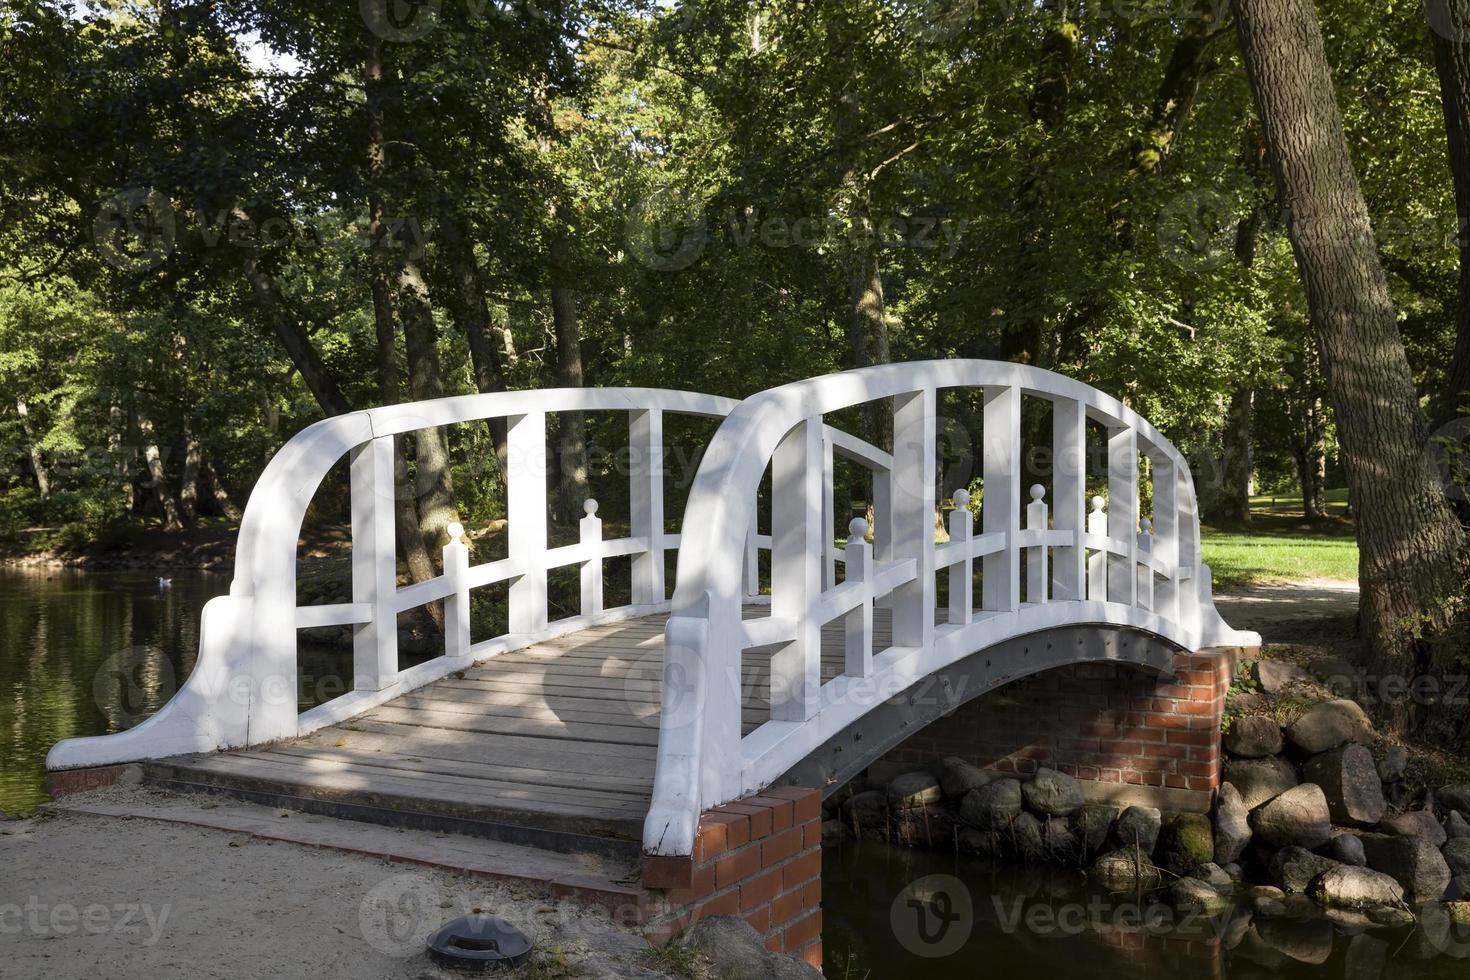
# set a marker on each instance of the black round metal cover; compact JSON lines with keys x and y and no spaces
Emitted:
{"x":479,"y":942}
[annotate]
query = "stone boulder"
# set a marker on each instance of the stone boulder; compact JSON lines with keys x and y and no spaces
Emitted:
{"x":958,"y":777}
{"x":1232,"y":824}
{"x":1215,"y":876}
{"x":1455,"y":796}
{"x":1061,"y":841}
{"x":1253,"y":737}
{"x":1124,"y":869}
{"x":1329,"y":724}
{"x":1276,"y":675}
{"x":914,"y":790}
{"x":1028,"y":837}
{"x":1355,"y":888}
{"x":1195,"y":895}
{"x":1259,"y":780}
{"x":1350,"y":781}
{"x":1394,"y":764}
{"x":1413,"y":862}
{"x":1348,"y":849}
{"x":1304,"y":940}
{"x":1299,"y":816}
{"x":1456,"y":827}
{"x":992,"y":806}
{"x":1093,"y":823}
{"x":1186,"y":841}
{"x":1457,"y":855}
{"x":1293,"y":868}
{"x":738,"y":952}
{"x":1138,"y":826}
{"x":834,"y":832}
{"x":1415,"y":823}
{"x":1052,"y":793}
{"x":866,"y":811}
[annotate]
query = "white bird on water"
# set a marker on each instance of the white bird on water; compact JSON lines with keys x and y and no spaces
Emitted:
{"x":164,"y":583}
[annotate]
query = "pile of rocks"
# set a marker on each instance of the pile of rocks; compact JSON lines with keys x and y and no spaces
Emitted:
{"x":1303,"y":807}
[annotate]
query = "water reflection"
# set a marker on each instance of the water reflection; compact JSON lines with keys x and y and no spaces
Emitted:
{"x":894,"y":912}
{"x":90,"y":653}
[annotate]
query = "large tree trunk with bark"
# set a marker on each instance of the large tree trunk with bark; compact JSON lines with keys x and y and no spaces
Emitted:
{"x":157,"y":478}
{"x":571,"y":427}
{"x":189,"y":479}
{"x":471,"y":315}
{"x":222,"y":499}
{"x":433,"y":479}
{"x":1411,"y":570}
{"x":1449,"y":23}
{"x":38,"y":461}
{"x":1233,"y":501}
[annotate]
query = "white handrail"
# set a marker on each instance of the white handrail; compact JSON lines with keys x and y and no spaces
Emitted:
{"x":703,"y":760}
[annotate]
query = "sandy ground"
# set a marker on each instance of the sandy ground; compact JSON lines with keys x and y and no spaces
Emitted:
{"x":86,"y":896}
{"x":1287,"y":607}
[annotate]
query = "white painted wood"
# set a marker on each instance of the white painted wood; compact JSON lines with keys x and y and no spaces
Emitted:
{"x":829,"y":545}
{"x":797,"y":555}
{"x":1036,"y":554}
{"x":857,"y":622}
{"x":1069,"y":497}
{"x":1143,"y":572}
{"x":1165,"y":533}
{"x":526,"y":471}
{"x":1097,"y":561}
{"x":374,"y":565}
{"x":751,"y":569}
{"x":1122,"y":511}
{"x":457,"y":604}
{"x":646,"y":501}
{"x":333,"y":614}
{"x":1000,"y":510}
{"x":591,"y":571}
{"x":962,"y":571}
{"x":911,"y":489}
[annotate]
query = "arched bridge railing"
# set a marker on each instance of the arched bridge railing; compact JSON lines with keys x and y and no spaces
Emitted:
{"x":243,"y":688}
{"x":1085,"y":564}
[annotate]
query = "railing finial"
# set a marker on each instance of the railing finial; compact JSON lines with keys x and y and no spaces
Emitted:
{"x":857,"y":529}
{"x":1097,"y":504}
{"x":1037,"y":491}
{"x":590,"y":506}
{"x":455,"y":531}
{"x":962,"y":498}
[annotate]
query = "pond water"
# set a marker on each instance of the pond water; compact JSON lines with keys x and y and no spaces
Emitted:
{"x":86,"y":653}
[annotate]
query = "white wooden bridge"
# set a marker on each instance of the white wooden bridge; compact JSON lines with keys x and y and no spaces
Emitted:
{"x":619,"y":726}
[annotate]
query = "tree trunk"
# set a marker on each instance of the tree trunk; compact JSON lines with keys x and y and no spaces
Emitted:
{"x":1449,"y":32}
{"x":571,"y":426}
{"x":434,"y":481}
{"x":472,"y":316}
{"x":158,"y":479}
{"x":1188,"y":63}
{"x":120,"y":455}
{"x":222,"y":499}
{"x":189,"y":479}
{"x":1411,"y":571}
{"x":1238,"y":465}
{"x":38,"y":462}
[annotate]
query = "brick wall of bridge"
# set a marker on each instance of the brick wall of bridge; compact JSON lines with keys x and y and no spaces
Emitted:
{"x":1130,"y":735}
{"x":759,"y":857}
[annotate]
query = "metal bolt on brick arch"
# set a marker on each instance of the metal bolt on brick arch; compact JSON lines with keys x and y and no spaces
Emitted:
{"x":1105,"y":568}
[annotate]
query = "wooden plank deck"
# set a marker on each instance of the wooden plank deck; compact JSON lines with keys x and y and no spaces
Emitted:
{"x":552,"y":745}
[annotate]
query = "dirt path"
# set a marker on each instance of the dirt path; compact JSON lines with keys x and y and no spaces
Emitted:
{"x":1289,"y":611}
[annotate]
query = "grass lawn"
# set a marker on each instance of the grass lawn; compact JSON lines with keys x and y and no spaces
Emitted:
{"x":1280,"y":547}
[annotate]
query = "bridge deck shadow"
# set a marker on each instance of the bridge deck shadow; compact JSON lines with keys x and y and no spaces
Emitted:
{"x":553,"y":745}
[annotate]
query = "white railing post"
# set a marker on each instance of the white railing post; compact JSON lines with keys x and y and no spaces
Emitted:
{"x":1069,"y":496}
{"x":374,"y":565}
{"x":829,"y":490}
{"x":1144,"y":570}
{"x":796,"y":568}
{"x":646,"y":502}
{"x":1187,"y":508}
{"x":1097,"y":562}
{"x":881,"y":526}
{"x":1122,"y":511}
{"x":858,"y":622}
{"x":1036,"y":556}
{"x":752,"y":568}
{"x":457,"y":603}
{"x":911,"y":503}
{"x":526,"y":509}
{"x":1166,"y":534}
{"x":961,"y":573}
{"x":591,"y":528}
{"x":1000,"y":512}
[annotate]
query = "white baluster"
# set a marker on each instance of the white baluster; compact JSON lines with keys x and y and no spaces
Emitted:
{"x":1001,"y":510}
{"x":1166,"y":534}
{"x":796,"y":569}
{"x":1097,"y":562}
{"x":591,"y":528}
{"x":1145,"y":571}
{"x":911,"y":504}
{"x":646,"y":502}
{"x":858,"y":623}
{"x":457,"y":603}
{"x":829,"y":546}
{"x":752,"y":568}
{"x":1122,"y":511}
{"x":374,"y":565}
{"x":1036,"y":556}
{"x":525,"y":463}
{"x":962,"y":572}
{"x":1069,"y":496}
